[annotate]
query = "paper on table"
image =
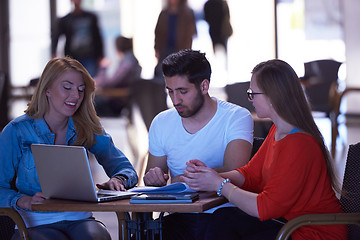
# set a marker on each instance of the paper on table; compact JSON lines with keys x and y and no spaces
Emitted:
{"x":165,"y":198}
{"x":178,"y":187}
{"x":116,"y":193}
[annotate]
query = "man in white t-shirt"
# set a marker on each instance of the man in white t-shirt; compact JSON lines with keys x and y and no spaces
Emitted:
{"x":198,"y":127}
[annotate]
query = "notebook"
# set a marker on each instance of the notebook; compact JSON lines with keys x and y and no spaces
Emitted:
{"x":173,"y":188}
{"x":64,"y":172}
{"x":165,"y":198}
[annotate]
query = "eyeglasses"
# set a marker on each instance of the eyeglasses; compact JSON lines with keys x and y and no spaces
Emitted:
{"x":251,"y":94}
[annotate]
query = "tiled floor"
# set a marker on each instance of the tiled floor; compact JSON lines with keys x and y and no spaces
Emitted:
{"x":132,"y":140}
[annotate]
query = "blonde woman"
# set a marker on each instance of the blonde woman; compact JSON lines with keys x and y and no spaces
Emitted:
{"x":60,"y":112}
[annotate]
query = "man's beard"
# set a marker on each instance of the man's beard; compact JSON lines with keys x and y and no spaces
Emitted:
{"x":195,"y":107}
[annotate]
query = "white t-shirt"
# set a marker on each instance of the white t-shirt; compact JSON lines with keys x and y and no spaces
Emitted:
{"x":167,"y":136}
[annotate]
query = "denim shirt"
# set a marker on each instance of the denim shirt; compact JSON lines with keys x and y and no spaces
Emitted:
{"x":17,"y":164}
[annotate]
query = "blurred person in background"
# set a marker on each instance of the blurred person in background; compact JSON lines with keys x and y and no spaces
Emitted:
{"x":217,"y":15}
{"x":83,"y":40}
{"x":174,"y":31}
{"x":128,"y":70}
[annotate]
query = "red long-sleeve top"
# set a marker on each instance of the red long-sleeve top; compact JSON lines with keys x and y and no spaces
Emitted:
{"x":290,"y":176}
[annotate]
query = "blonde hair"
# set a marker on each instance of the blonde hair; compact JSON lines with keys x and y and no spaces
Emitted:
{"x":280,"y":83}
{"x":86,"y":122}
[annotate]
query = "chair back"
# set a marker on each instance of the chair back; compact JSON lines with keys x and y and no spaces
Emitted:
{"x":323,"y":73}
{"x":7,"y":228}
{"x":236,"y":93}
{"x":8,"y":218}
{"x":350,"y":202}
{"x":150,"y":96}
{"x":257,"y":142}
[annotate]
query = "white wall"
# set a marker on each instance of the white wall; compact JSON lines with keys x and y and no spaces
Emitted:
{"x":138,"y":20}
{"x":352,"y":41}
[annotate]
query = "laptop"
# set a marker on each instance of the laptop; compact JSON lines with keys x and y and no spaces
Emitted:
{"x":64,"y":172}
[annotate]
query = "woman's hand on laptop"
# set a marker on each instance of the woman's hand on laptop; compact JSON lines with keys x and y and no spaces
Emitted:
{"x":25,"y":202}
{"x":114,"y":184}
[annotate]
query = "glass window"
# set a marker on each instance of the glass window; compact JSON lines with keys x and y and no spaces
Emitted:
{"x":30,"y":39}
{"x":309,"y":30}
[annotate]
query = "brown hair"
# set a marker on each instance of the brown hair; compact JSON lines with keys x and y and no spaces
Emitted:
{"x":278,"y":80}
{"x":86,"y":122}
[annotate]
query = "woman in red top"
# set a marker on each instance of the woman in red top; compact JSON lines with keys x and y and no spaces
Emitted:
{"x":291,"y":174}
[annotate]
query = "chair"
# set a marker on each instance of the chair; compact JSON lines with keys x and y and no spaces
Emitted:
{"x":150,"y":97}
{"x":257,"y":142}
{"x":335,"y":99}
{"x":350,"y":203}
{"x":8,"y":218}
{"x":236,"y":93}
{"x":318,"y":78}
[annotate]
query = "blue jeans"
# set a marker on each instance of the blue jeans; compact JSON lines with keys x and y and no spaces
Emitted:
{"x":89,"y":229}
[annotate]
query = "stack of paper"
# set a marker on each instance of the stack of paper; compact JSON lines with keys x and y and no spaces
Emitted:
{"x":178,"y":187}
{"x":165,"y":198}
{"x":178,"y":192}
{"x":173,"y":193}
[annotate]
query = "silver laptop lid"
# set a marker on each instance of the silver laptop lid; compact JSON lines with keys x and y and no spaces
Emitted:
{"x":64,"y":172}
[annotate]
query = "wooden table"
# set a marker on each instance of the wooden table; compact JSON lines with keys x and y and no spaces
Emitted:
{"x":207,"y":200}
